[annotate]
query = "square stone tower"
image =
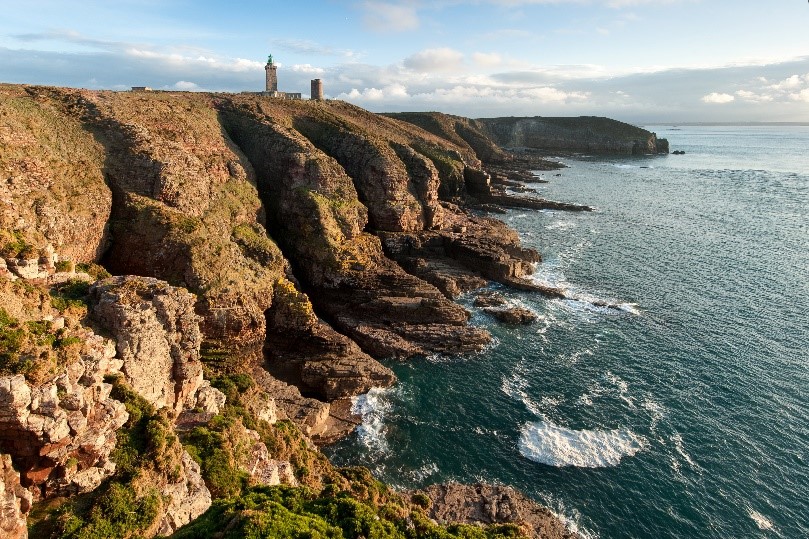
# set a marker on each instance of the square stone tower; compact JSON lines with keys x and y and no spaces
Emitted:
{"x":317,"y":90}
{"x":272,"y":75}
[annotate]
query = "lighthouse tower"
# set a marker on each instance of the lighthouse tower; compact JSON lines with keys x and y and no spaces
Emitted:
{"x":272,"y":75}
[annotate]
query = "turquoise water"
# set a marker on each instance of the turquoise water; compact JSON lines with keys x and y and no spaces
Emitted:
{"x":683,"y":413}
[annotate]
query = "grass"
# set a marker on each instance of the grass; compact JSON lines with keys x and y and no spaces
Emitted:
{"x":299,"y":512}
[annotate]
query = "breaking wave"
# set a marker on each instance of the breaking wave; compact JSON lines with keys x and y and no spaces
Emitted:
{"x":550,"y":444}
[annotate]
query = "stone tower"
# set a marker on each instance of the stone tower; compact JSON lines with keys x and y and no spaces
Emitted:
{"x":272,"y":75}
{"x":317,"y":90}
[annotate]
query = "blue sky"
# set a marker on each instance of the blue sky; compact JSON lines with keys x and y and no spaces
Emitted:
{"x":642,"y":61}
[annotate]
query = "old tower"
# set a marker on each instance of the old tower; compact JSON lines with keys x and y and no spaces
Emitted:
{"x":317,"y":90}
{"x":272,"y":75}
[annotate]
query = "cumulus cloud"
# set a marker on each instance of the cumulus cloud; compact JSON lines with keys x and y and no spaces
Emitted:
{"x":803,"y":95}
{"x":433,"y":60}
{"x":487,"y":59}
{"x":308,"y":69}
{"x":717,"y":98}
{"x":752,"y":97}
{"x":187,"y":86}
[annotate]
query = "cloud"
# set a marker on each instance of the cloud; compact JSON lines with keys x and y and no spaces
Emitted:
{"x":311,"y":48}
{"x":487,"y":59}
{"x":803,"y":95}
{"x":752,"y":97}
{"x":307,"y":69}
{"x":717,"y":98}
{"x":187,"y":86}
{"x":433,"y":60}
{"x":387,"y":17}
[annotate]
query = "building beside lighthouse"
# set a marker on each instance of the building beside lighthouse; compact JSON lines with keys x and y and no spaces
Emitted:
{"x":271,"y":84}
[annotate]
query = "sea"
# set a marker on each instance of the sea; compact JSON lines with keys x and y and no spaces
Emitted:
{"x":682,"y":410}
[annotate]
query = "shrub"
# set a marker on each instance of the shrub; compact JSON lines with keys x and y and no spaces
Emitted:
{"x":64,"y":266}
{"x":93,"y":270}
{"x":12,"y":338}
{"x":71,"y":294}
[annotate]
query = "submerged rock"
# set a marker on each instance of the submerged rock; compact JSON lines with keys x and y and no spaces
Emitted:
{"x":512,"y":315}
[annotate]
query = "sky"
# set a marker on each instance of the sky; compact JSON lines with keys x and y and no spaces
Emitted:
{"x":640,"y":61}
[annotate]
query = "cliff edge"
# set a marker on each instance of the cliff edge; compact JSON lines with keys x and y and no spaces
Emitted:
{"x":193,"y":286}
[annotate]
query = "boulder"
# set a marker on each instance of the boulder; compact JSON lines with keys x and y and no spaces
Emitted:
{"x":188,"y":497}
{"x":512,"y":315}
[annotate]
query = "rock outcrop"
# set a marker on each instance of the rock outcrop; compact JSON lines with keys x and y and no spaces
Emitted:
{"x":60,"y":433}
{"x":157,"y":337}
{"x":15,"y":502}
{"x":488,"y":504}
{"x":53,"y":197}
{"x":188,"y":497}
{"x":300,"y":242}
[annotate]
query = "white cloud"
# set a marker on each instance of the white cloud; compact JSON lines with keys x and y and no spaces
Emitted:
{"x":487,"y":59}
{"x":186,"y":86}
{"x":308,"y":69}
{"x":803,"y":95}
{"x":717,"y":98}
{"x":433,"y":60}
{"x":752,"y":97}
{"x":394,"y":91}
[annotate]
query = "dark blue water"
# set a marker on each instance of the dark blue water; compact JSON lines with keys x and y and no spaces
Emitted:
{"x":685,"y":412}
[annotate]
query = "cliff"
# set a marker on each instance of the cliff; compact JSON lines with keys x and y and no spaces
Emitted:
{"x":193,"y":285}
{"x":488,"y":136}
{"x":588,"y":134}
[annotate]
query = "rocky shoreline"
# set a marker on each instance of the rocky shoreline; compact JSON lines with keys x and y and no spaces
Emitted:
{"x":193,"y":286}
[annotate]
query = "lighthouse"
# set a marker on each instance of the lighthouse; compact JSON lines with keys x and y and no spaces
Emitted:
{"x":272,"y":75}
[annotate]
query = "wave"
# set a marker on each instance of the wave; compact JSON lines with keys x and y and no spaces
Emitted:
{"x":550,"y":274}
{"x":761,"y":521}
{"x":372,"y":407}
{"x":550,"y":444}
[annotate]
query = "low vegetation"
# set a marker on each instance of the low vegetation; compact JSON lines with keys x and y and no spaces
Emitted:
{"x":128,"y":504}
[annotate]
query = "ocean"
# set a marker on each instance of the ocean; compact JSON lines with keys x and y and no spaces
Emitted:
{"x":683,"y":411}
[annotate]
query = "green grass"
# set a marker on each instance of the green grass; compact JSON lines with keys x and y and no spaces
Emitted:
{"x":298,"y":512}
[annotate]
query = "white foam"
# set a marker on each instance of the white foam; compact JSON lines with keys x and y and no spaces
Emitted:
{"x":761,"y":521}
{"x":561,"y":225}
{"x":677,"y":439}
{"x":372,"y":407}
{"x":550,"y":444}
{"x":622,"y":387}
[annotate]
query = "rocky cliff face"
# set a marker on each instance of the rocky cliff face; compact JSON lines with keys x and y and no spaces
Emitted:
{"x":266,"y":255}
{"x":15,"y":502}
{"x":583,"y":134}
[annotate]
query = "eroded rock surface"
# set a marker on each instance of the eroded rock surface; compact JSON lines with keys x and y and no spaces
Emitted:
{"x":157,"y":337}
{"x":489,"y":504}
{"x":188,"y":497}
{"x":15,"y":502}
{"x":61,"y":432}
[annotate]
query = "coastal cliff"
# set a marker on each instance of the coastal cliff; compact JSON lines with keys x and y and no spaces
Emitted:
{"x":193,"y":286}
{"x":584,"y":134}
